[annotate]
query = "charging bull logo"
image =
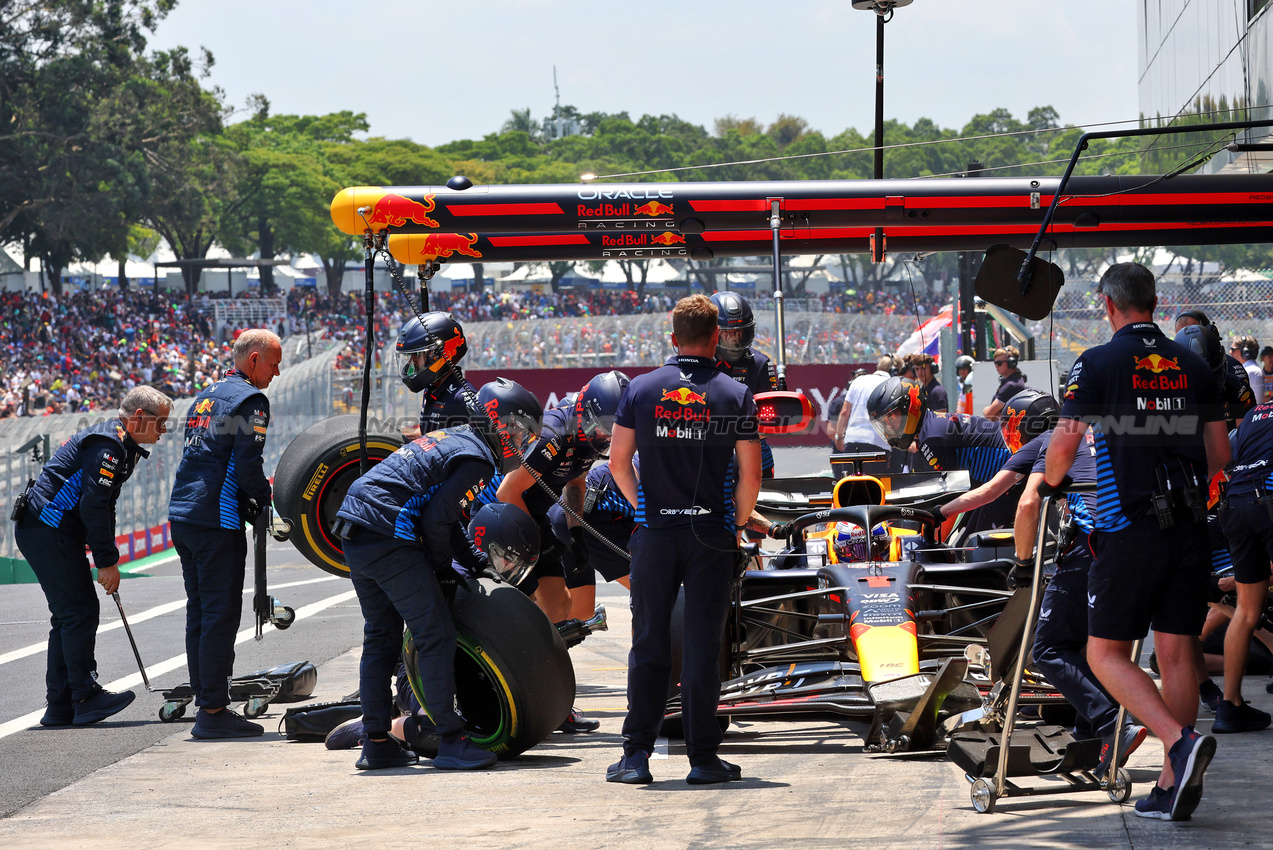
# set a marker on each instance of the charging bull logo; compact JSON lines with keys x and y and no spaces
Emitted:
{"x":653,"y":208}
{"x":668,"y":239}
{"x":1012,"y":430}
{"x":683,"y":395}
{"x":395,"y":210}
{"x":1157,"y":364}
{"x":439,"y":246}
{"x":203,"y":406}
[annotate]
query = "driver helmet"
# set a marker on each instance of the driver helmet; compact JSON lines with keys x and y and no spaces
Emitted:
{"x":896,"y":408}
{"x":509,"y":418}
{"x":596,"y":406}
{"x":1203,"y":342}
{"x":428,"y":349}
{"x":851,"y":543}
{"x":508,"y":537}
{"x":1028,"y":414}
{"x":736,"y":322}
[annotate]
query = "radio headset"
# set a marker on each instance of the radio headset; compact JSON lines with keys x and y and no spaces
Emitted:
{"x":475,"y":409}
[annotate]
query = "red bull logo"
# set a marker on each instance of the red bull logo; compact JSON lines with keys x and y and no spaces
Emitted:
{"x":1157,"y":364}
{"x":203,"y":406}
{"x":439,"y":246}
{"x":684,"y":395}
{"x":668,"y":239}
{"x":1012,"y":430}
{"x":653,"y":208}
{"x":394,"y":210}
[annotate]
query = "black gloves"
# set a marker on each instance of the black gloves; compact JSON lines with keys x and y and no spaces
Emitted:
{"x":450,"y":581}
{"x":1046,"y":489}
{"x":936,"y":511}
{"x":1022,"y":572}
{"x":579,"y":547}
{"x":780,"y":530}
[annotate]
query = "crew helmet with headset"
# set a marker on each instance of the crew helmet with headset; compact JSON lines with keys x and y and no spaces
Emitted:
{"x":1028,"y":414}
{"x":736,"y":322}
{"x":508,"y":418}
{"x":1204,"y":342}
{"x":441,"y":338}
{"x":509,"y":538}
{"x":596,"y":406}
{"x":896,"y":408}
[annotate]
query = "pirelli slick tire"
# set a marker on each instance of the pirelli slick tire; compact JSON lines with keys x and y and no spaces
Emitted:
{"x":313,"y":476}
{"x":513,"y":678}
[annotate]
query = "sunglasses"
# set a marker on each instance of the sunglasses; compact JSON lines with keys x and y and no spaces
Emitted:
{"x":1001,"y":362}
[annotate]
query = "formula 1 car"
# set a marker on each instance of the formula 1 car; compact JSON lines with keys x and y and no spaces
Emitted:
{"x":866,"y":615}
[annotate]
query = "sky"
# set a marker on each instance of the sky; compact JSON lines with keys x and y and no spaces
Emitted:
{"x":437,"y":72}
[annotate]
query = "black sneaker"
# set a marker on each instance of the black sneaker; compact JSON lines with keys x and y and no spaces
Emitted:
{"x":632,"y":769}
{"x":380,"y":755}
{"x":576,"y":722}
{"x":346,"y":736}
{"x":100,"y":706}
{"x":1156,"y":805}
{"x":1210,"y":694}
{"x":224,"y":724}
{"x":1239,"y":718}
{"x":58,"y":714}
{"x":457,"y":752}
{"x":1133,"y":737}
{"x":1189,"y":759}
{"x":710,"y":774}
{"x":421,"y":736}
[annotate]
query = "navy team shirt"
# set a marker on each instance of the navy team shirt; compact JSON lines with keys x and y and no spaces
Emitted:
{"x":951,"y":441}
{"x":560,"y":455}
{"x":1082,"y":505}
{"x":1147,"y":400}
{"x":1253,"y":453}
{"x":687,"y":416}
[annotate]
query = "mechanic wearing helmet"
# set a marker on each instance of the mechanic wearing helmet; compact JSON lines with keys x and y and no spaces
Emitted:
{"x":221,"y":482}
{"x":1029,"y":415}
{"x":736,"y":357}
{"x":1060,"y":639}
{"x":429,"y":353}
{"x":397,"y":522}
{"x":946,"y":441}
{"x":1238,"y":395}
{"x":693,"y":427}
{"x":1159,"y":434}
{"x":1011,"y":381}
{"x":71,"y":507}
{"x":571,"y":440}
{"x":963,"y":371}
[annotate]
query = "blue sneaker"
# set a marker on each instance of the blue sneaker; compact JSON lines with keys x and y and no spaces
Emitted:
{"x":1133,"y":736}
{"x":457,"y":752}
{"x":1210,"y":694}
{"x":100,"y":706}
{"x":1156,"y":805}
{"x":710,"y":774}
{"x":632,"y":769}
{"x":1189,"y":759}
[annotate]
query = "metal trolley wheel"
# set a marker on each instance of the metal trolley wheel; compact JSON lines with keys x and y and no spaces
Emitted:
{"x":255,"y":707}
{"x":171,"y":712}
{"x":983,"y":796}
{"x":1121,"y":790}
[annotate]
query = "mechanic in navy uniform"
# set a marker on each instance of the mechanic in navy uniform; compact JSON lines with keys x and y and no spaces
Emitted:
{"x":1011,"y":381}
{"x":736,"y":357}
{"x":399,"y":523}
{"x":1060,"y":639}
{"x":429,"y":353}
{"x":606,"y":510}
{"x":70,"y":506}
{"x":944,"y":442}
{"x":1238,"y":395}
{"x":1248,"y":523}
{"x":693,"y":426}
{"x":1158,"y":429}
{"x":220,"y":483}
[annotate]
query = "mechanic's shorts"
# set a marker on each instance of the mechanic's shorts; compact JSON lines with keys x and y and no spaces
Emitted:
{"x":602,"y":559}
{"x":550,"y":565}
{"x":1144,"y":577}
{"x":1250,"y":532}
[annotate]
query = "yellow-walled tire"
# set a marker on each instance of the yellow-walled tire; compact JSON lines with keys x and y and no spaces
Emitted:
{"x":313,"y":476}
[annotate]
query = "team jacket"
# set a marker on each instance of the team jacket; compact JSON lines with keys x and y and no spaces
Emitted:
{"x":221,"y":466}
{"x":756,"y":372}
{"x":77,"y":488}
{"x":443,"y":405}
{"x":423,"y":490}
{"x":560,"y":455}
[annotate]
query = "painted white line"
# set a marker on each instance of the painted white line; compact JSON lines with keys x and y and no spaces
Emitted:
{"x":133,"y":680}
{"x":660,"y":743}
{"x":141,"y":617}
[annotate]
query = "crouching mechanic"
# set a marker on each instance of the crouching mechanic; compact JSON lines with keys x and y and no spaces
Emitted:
{"x":1248,"y":523}
{"x":690,"y":423}
{"x":220,"y":483}
{"x":70,"y":506}
{"x":1060,"y":640}
{"x":397,"y":522}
